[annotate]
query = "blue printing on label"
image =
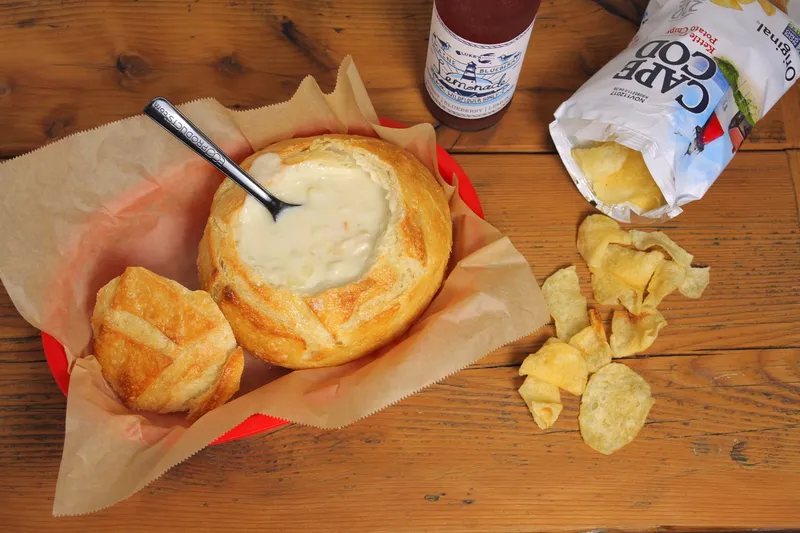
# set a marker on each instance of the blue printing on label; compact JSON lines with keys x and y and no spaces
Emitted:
{"x":792,"y":33}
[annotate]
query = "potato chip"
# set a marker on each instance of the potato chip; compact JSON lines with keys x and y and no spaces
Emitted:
{"x":730,"y":4}
{"x":633,"y":267}
{"x":562,"y":293}
{"x":608,"y":289}
{"x":768,"y":8}
{"x":602,"y":160}
{"x":545,"y":414}
{"x":644,"y":240}
{"x":779,"y":4}
{"x":591,"y":342}
{"x":695,"y":282}
{"x":535,"y":389}
{"x":595,"y":233}
{"x":634,"y":184}
{"x":632,"y":334}
{"x":668,"y":277}
{"x":631,"y":181}
{"x":543,"y":401}
{"x":559,"y":364}
{"x":614,"y":408}
{"x":623,"y":276}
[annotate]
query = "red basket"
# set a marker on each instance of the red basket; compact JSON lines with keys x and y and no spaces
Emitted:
{"x":57,"y":357}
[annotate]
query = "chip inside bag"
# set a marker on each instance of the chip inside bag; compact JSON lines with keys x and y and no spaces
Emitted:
{"x":655,"y":127}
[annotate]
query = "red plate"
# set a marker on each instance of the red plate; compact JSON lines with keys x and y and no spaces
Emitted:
{"x":57,"y":357}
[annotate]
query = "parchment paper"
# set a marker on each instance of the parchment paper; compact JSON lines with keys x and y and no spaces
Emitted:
{"x":77,"y":212}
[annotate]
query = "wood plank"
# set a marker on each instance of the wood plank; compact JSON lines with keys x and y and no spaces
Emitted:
{"x":719,"y":451}
{"x":103,"y":60}
{"x":16,"y":335}
{"x":794,"y":165}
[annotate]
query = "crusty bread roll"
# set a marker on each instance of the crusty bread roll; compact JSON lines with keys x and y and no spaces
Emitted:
{"x":289,"y":321}
{"x":163,"y":348}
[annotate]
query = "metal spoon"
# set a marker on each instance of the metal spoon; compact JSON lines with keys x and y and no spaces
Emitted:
{"x":172,"y":120}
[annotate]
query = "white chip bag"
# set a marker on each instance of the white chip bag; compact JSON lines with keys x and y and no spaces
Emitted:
{"x":685,"y":93}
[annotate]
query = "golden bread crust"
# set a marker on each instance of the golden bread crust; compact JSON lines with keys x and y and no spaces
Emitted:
{"x":342,"y":323}
{"x":162,"y":347}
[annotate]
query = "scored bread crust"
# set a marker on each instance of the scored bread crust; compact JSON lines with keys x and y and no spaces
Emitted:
{"x":163,"y":348}
{"x":343,"y":323}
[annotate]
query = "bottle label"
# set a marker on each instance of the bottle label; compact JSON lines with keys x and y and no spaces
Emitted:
{"x":472,"y":80}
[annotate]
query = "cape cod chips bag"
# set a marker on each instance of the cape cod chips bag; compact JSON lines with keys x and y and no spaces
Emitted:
{"x":685,"y":93}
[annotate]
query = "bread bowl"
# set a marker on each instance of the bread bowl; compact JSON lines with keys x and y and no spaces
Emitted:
{"x":344,"y":274}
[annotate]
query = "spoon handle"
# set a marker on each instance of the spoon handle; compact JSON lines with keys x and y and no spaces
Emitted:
{"x":172,"y":120}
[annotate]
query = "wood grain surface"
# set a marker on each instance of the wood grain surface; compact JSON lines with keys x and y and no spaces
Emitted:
{"x":721,"y":448}
{"x":72,"y":65}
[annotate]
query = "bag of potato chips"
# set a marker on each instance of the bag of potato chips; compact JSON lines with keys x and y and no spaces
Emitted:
{"x":652,"y":129}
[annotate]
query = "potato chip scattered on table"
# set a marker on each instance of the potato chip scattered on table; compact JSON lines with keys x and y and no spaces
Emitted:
{"x":591,"y":342}
{"x":667,"y":277}
{"x":623,"y":276}
{"x":608,"y":289}
{"x":632,"y":334}
{"x":644,"y":240}
{"x":614,"y":408}
{"x":567,"y":306}
{"x":636,"y":269}
{"x":559,"y":364}
{"x":633,"y":267}
{"x":695,"y":282}
{"x":543,"y":401}
{"x":619,"y":175}
{"x":595,"y":233}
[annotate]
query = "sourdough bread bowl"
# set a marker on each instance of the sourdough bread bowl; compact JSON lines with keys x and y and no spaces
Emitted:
{"x":342,"y":275}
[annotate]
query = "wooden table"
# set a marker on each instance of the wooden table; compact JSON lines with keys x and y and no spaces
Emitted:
{"x":721,"y":448}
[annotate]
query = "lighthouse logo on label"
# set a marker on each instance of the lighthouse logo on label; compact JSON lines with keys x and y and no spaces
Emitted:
{"x":472,"y":80}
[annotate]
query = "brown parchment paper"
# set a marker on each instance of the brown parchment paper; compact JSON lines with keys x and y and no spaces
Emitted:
{"x":76,"y":213}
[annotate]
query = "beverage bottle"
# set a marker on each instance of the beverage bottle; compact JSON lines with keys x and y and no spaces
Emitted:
{"x":475,"y":55}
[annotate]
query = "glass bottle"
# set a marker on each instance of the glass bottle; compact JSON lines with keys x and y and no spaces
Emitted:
{"x":475,"y":55}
